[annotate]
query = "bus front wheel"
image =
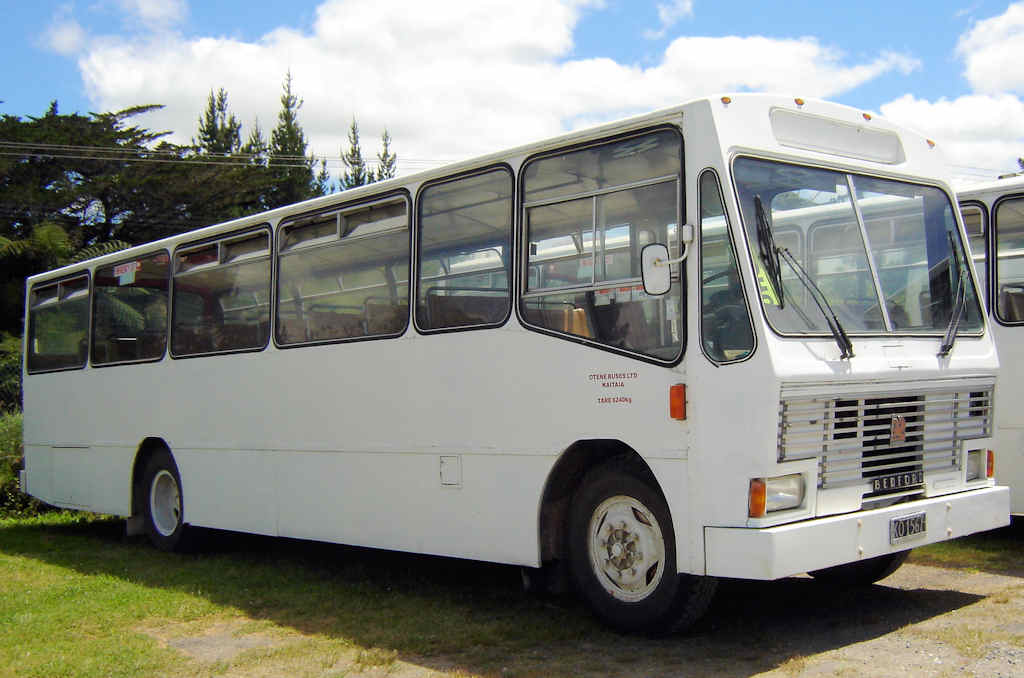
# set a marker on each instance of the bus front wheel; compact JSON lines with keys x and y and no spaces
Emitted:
{"x":162,"y":504}
{"x":623,"y":555}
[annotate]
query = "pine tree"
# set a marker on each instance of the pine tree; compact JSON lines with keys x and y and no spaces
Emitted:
{"x":256,"y":146}
{"x":292,"y":171}
{"x":322,"y":183}
{"x":387,"y":161}
{"x":219,"y":130}
{"x":357,"y":174}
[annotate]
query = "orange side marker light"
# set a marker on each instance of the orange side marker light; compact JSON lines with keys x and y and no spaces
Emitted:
{"x":677,"y":401}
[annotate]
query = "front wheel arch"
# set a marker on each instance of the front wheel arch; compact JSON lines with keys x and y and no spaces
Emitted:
{"x":622,"y":553}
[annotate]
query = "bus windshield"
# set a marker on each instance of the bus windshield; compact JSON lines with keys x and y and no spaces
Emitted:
{"x":885,"y":254}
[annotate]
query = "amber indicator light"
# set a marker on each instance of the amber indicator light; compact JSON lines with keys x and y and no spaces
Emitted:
{"x":758,"y":499}
{"x":677,"y":401}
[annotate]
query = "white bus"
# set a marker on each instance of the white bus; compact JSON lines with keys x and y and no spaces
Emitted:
{"x":993,"y":214}
{"x":591,"y":356}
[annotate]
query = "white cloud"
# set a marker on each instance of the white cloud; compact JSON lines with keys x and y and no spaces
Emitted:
{"x":156,"y":14}
{"x":992,"y":52}
{"x":448,"y":79}
{"x":669,"y":14}
{"x":64,"y":35}
{"x":979,"y":133}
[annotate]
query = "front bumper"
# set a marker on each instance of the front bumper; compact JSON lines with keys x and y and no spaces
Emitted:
{"x":774,"y":552}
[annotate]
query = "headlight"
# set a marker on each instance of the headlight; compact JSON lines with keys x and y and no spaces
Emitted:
{"x":768,"y":495}
{"x":980,"y":464}
{"x":974,"y":464}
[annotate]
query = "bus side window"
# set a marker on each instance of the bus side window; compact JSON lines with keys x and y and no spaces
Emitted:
{"x":726,"y":332}
{"x":222,"y":296}
{"x":58,"y":325}
{"x":1009,"y":227}
{"x":465,"y":234}
{"x":344,"y":274}
{"x":130,"y":310}
{"x":586,"y":220}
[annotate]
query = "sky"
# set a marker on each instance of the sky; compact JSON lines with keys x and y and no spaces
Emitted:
{"x":453,"y":79}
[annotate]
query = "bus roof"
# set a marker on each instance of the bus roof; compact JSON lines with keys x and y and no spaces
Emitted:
{"x":1006,"y":184}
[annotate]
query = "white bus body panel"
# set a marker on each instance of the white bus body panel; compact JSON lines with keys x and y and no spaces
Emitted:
{"x":337,"y":449}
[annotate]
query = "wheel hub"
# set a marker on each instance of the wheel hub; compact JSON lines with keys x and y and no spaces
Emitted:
{"x":627,"y":549}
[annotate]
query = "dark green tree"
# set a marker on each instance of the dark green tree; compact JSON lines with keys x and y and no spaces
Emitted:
{"x":71,"y":183}
{"x":290,"y":169}
{"x":322,"y":183}
{"x":256,"y":147}
{"x":387,"y":161}
{"x":356,"y":174}
{"x":220,"y":133}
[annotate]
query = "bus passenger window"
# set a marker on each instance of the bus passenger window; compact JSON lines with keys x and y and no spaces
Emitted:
{"x":584,"y":239}
{"x":130,"y":311}
{"x":344,"y":274}
{"x":726,"y":332}
{"x":222,"y":296}
{"x":465,"y":238}
{"x":1009,"y":268}
{"x":58,"y":325}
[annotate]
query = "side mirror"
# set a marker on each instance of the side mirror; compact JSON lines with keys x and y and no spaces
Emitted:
{"x":655,"y":270}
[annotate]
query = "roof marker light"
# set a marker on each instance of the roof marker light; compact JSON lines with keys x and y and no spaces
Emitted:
{"x":867,"y":116}
{"x":726,"y":100}
{"x":799,"y":101}
{"x":931,"y":144}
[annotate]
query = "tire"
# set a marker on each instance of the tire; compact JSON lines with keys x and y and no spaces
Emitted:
{"x":861,"y":573}
{"x":162,"y":505}
{"x":623,"y":555}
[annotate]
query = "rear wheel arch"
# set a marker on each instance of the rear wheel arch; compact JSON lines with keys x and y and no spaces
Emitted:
{"x":147,"y":448}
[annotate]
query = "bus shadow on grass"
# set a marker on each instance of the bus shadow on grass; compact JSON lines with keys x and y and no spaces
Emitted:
{"x":446,"y":614}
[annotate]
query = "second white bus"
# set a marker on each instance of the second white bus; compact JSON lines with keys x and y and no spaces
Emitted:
{"x":993,"y":214}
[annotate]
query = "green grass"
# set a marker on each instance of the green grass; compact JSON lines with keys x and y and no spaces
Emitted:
{"x":79,"y":599}
{"x":1000,"y":551}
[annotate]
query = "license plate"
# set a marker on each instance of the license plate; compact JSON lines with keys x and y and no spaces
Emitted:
{"x":907,"y":528}
{"x":897,"y":481}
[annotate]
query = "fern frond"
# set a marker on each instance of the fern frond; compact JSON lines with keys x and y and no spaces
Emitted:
{"x":98,"y":250}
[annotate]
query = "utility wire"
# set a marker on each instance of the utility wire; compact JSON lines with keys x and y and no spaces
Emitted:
{"x":127,"y":154}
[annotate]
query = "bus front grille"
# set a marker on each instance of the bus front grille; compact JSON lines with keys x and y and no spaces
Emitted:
{"x":885,"y":442}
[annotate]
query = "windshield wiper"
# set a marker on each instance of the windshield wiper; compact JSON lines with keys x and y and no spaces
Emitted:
{"x":770,"y":255}
{"x":834,"y":326}
{"x":959,"y":302}
{"x":767,"y":250}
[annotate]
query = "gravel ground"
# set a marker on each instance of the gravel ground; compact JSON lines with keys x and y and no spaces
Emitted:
{"x":922,"y":621}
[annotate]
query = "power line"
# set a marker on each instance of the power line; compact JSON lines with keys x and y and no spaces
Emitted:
{"x":127,"y":154}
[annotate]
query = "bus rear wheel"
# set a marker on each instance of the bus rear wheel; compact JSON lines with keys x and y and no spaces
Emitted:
{"x":623,"y":555}
{"x":861,"y":573}
{"x":162,"y":504}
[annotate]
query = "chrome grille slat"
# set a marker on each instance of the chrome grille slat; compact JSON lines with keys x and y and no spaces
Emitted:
{"x":851,"y":434}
